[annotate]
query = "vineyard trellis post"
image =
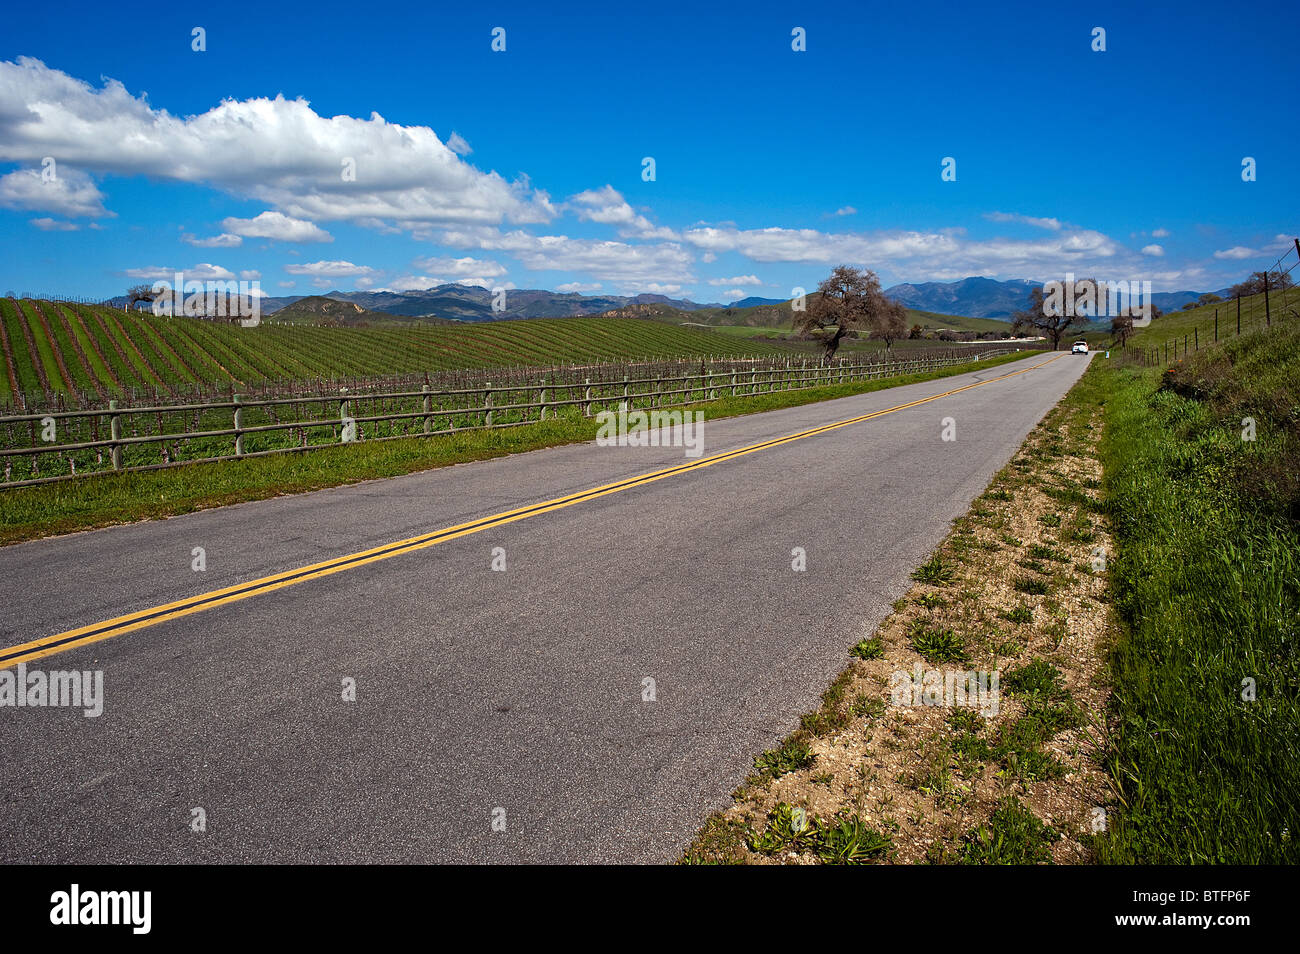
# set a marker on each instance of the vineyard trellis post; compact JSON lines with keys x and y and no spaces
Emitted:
{"x":115,"y":435}
{"x":239,"y":424}
{"x":428,"y":419}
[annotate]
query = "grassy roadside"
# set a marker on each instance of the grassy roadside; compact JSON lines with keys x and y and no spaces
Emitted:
{"x":1206,"y":752}
{"x":1016,"y":591}
{"x":30,"y":512}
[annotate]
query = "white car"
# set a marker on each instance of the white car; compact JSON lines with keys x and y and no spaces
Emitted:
{"x":1080,"y":347}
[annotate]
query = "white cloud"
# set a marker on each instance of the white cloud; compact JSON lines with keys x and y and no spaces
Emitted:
{"x":457,"y":144}
{"x":329,"y":269}
{"x":1155,"y":250}
{"x":608,"y":207}
{"x":461,"y":267}
{"x":1160,"y":233}
{"x":1236,"y":253}
{"x":1052,"y":225}
{"x":734,"y":294}
{"x":846,"y":210}
{"x":738,"y":280}
{"x":70,"y":193}
{"x":604,"y":260}
{"x":276,"y":150}
{"x":224,"y":240}
{"x":250,"y":274}
{"x":286,"y":284}
{"x":580,"y":288}
{"x":202,"y":272}
{"x":278,"y":227}
{"x":53,"y":225}
{"x":654,"y":288}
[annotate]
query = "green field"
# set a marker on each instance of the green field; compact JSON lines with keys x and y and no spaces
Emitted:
{"x":1206,"y":708}
{"x":91,"y":351}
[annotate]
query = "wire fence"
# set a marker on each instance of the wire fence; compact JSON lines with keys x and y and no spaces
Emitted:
{"x":52,"y":445}
{"x":1278,"y":300}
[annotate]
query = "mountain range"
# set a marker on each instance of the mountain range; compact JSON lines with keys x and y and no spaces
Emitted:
{"x":974,"y":297}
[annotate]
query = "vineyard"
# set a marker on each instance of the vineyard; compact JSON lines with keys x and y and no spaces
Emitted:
{"x":60,"y":354}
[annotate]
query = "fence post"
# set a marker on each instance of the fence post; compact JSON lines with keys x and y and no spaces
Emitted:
{"x":428,"y":420}
{"x":1268,"y":315}
{"x":586,"y":408}
{"x":115,"y":434}
{"x":1238,"y":316}
{"x":487,"y":402}
{"x":239,"y":425}
{"x":1216,"y":325}
{"x":1196,"y":338}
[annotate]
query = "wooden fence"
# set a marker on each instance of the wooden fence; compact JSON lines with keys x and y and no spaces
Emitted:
{"x":36,"y":448}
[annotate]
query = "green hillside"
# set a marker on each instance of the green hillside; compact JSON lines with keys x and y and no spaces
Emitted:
{"x":1197,"y":324}
{"x":94,"y":351}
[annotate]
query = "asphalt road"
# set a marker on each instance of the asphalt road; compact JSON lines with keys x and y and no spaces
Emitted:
{"x":512,"y":695}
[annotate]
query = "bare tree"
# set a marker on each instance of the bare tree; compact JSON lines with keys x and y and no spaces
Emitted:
{"x":1254,"y":285}
{"x":138,"y":293}
{"x":1050,"y":320}
{"x":848,"y":300}
{"x":1121,"y":326}
{"x":889,"y":323}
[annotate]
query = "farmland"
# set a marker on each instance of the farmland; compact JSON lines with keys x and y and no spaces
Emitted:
{"x":86,"y":354}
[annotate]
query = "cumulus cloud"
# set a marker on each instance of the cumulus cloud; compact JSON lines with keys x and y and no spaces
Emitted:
{"x":1160,"y":233}
{"x":1236,"y":253}
{"x":580,"y":288}
{"x":1053,"y":225}
{"x":278,"y":227}
{"x":738,"y":280}
{"x":461,"y":267}
{"x":1156,"y":250}
{"x":69,"y":193}
{"x":457,"y":144}
{"x":329,"y":269}
{"x":846,"y":210}
{"x":224,"y":240}
{"x":202,"y":272}
{"x":941,"y":255}
{"x":608,"y":207}
{"x":612,"y":261}
{"x":278,"y":151}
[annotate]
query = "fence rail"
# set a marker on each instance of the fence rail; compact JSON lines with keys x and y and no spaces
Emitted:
{"x":56,"y":445}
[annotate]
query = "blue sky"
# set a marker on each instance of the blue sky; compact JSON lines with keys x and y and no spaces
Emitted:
{"x":771,"y":165}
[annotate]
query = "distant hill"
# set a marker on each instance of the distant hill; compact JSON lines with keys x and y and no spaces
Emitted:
{"x":320,"y":310}
{"x":970,"y":297}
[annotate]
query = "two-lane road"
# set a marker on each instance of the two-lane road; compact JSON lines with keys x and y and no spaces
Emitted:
{"x":516,"y":696}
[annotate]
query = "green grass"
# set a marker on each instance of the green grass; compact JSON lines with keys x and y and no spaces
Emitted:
{"x":1012,"y":836}
{"x":104,"y":499}
{"x":1207,"y":583}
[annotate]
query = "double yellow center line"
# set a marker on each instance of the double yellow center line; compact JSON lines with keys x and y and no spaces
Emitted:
{"x":61,"y":642}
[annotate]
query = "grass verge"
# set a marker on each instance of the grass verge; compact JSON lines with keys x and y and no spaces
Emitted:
{"x":1206,"y":749}
{"x":30,"y":512}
